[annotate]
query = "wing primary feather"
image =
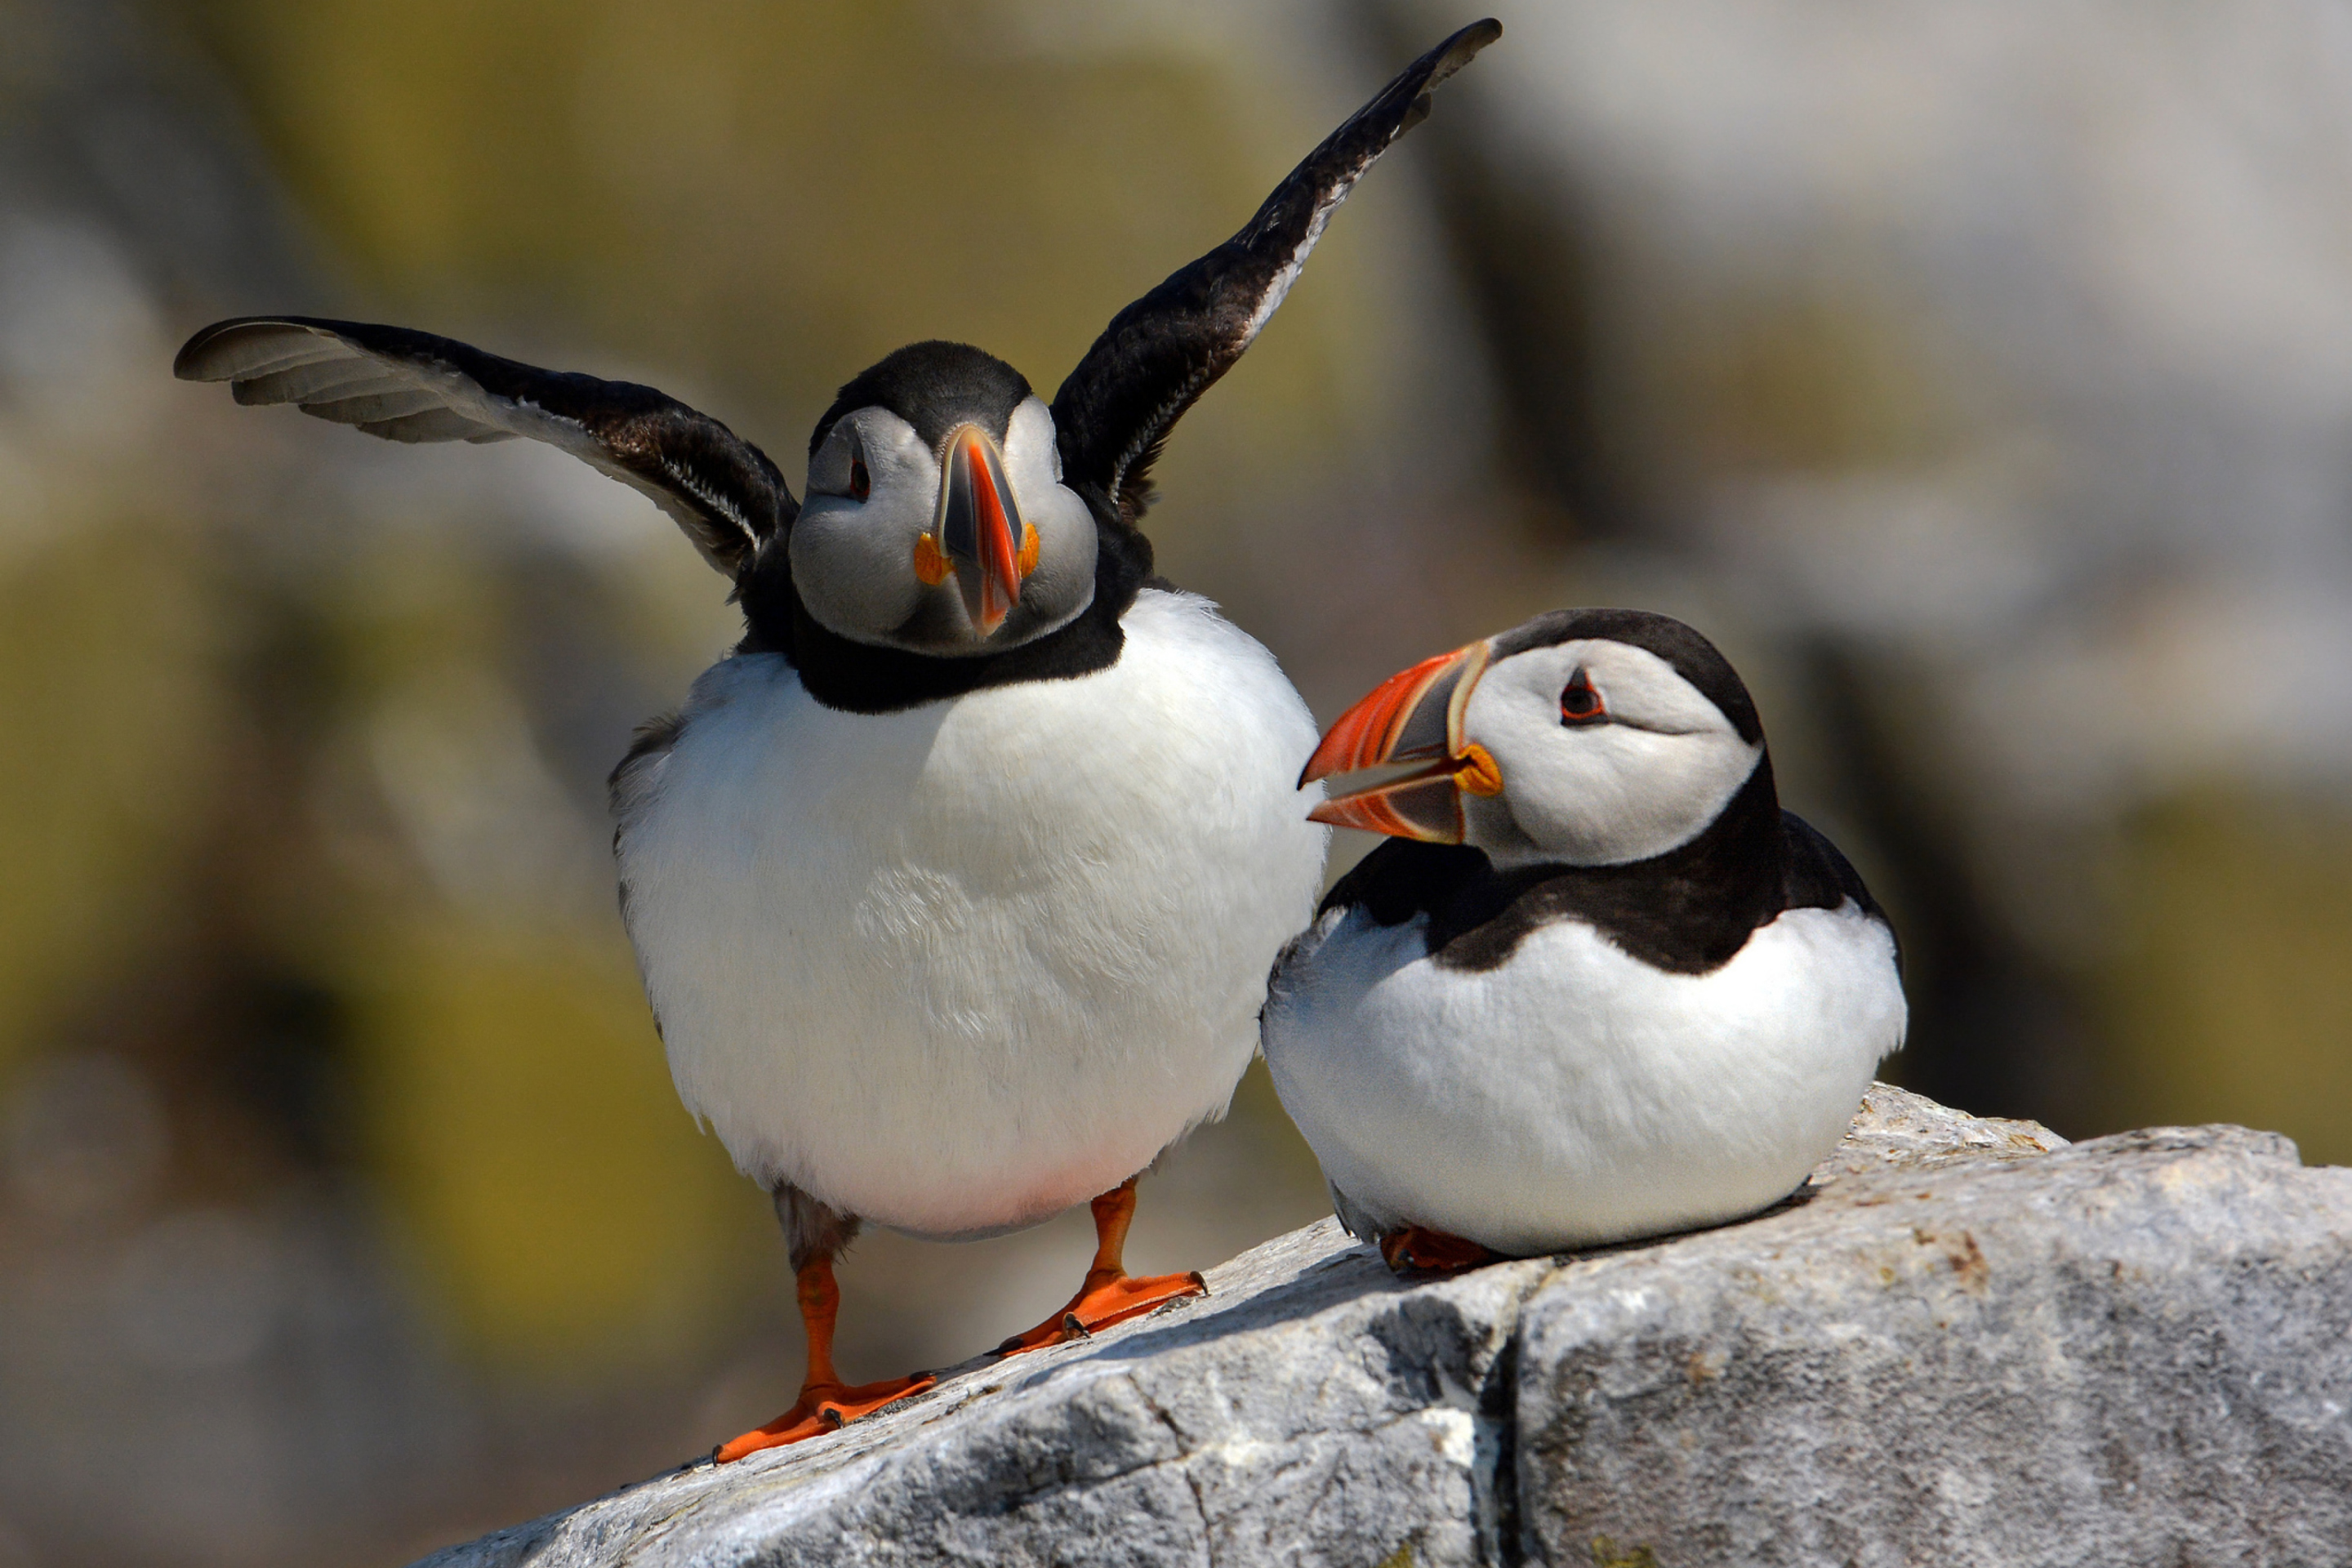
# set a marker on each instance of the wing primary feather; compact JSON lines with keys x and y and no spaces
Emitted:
{"x":1114,"y":412}
{"x":407,"y":385}
{"x":431,"y":424}
{"x":357,"y":408}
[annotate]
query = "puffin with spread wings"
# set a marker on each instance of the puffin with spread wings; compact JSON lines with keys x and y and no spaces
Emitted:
{"x":955,"y":885}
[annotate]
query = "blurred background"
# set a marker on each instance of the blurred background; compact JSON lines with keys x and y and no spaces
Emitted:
{"x":1980,"y":377}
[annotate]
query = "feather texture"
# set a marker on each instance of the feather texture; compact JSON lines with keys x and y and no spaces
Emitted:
{"x":955,"y":968}
{"x":406,"y":385}
{"x":1576,"y":1095}
{"x":1157,"y":355}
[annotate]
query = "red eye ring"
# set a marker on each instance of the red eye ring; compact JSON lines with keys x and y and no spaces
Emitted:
{"x":861,"y":483}
{"x":1578,"y":702}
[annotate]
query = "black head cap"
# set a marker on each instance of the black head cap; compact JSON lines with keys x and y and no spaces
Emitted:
{"x":1692,"y":657}
{"x":933,"y":386}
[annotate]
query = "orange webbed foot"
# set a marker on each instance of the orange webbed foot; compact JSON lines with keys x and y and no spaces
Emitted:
{"x":822,"y":1407}
{"x":1416,"y":1250}
{"x":1107,"y":1297}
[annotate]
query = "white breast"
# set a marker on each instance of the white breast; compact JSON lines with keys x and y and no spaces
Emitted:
{"x":1575,"y":1095}
{"x":958,"y":968}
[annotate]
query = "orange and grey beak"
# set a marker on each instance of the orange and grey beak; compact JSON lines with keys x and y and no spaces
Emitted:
{"x":1410,"y":718}
{"x":979,"y":534}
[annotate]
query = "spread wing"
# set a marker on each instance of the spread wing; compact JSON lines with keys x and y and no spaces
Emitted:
{"x":406,"y":385}
{"x":1161,"y":353}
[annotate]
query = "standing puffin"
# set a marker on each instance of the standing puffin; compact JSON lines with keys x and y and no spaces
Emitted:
{"x":1602,"y":986}
{"x":954,"y":886}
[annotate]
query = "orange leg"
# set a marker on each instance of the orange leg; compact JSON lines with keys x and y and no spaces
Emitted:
{"x":1418,"y":1250}
{"x":826,"y":1401}
{"x":1110,"y":1294}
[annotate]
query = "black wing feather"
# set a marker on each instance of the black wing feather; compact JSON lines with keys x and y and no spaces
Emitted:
{"x":1157,"y":355}
{"x":407,"y":385}
{"x":1821,"y":878}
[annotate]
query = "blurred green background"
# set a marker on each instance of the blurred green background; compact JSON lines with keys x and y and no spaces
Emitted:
{"x":1979,"y":379}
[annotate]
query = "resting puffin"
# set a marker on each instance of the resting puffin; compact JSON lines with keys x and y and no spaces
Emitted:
{"x":954,"y":886}
{"x":1602,"y":986}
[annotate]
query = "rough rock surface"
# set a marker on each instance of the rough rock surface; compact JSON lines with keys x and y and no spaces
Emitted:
{"x":1965,"y":1341}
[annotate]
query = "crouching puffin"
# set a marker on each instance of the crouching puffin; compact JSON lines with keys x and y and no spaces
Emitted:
{"x":954,"y":886}
{"x":1599,"y":986}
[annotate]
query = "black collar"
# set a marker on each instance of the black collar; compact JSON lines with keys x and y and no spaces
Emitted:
{"x":859,"y":678}
{"x":1688,"y":912}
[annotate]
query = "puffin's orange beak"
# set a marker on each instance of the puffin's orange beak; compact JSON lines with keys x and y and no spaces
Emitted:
{"x":980,"y":535}
{"x":1415,"y":716}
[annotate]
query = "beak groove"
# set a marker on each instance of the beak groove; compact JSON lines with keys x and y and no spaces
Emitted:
{"x":1414,"y":716}
{"x":980,"y":530}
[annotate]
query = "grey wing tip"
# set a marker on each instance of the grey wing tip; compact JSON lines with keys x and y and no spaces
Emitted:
{"x":196,"y":360}
{"x":1443,"y":61}
{"x":1458,"y":50}
{"x":209,"y":355}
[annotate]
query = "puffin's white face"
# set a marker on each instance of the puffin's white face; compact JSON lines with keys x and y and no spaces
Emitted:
{"x":970,"y":548}
{"x":1606,"y":755}
{"x":1552,"y":745}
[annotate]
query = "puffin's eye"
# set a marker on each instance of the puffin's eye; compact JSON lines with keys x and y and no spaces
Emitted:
{"x":1579,"y":703}
{"x":861,"y":483}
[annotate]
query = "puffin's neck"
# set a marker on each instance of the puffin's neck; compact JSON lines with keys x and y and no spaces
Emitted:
{"x":1687,"y":912}
{"x":1692,"y":908}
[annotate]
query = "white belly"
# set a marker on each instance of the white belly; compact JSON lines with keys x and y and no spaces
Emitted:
{"x":958,"y":968}
{"x":1575,"y":1095}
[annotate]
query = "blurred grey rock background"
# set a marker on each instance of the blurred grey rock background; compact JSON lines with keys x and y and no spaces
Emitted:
{"x":1991,"y":368}
{"x":1977,"y":376}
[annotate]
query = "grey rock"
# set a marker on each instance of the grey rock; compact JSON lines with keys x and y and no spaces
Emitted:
{"x":1963,"y":1341}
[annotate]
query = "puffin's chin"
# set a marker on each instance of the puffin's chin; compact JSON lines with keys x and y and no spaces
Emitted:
{"x":941,"y":631}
